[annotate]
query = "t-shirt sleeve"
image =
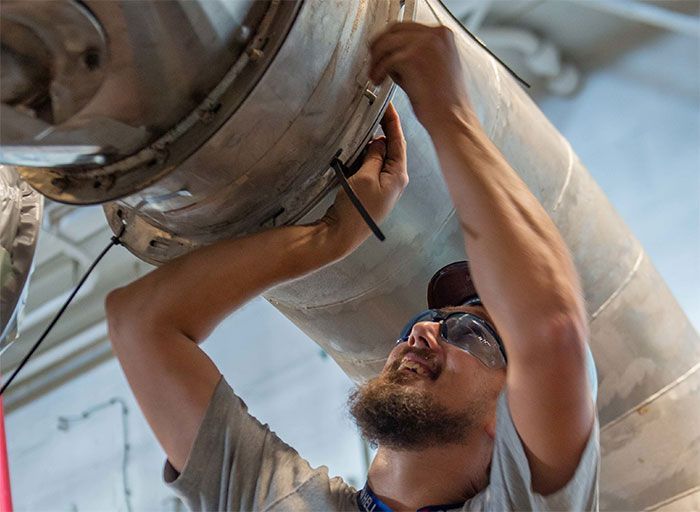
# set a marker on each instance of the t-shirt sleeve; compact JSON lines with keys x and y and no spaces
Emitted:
{"x":236,"y":463}
{"x":510,"y":486}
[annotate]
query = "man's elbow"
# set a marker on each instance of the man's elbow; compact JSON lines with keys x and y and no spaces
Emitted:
{"x":116,"y":313}
{"x":125,"y":314}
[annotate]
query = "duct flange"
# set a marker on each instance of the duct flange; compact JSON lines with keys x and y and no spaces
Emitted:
{"x":269,"y":163}
{"x":142,"y":147}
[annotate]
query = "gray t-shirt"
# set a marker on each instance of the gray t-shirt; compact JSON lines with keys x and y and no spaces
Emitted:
{"x":236,"y":463}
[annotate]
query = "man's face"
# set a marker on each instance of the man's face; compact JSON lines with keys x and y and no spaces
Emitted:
{"x":429,"y":392}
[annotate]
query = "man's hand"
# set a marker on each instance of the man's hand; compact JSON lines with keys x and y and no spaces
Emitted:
{"x":379,"y":183}
{"x":424,"y":62}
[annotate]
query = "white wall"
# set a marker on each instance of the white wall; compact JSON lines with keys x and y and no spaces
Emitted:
{"x":636,"y":126}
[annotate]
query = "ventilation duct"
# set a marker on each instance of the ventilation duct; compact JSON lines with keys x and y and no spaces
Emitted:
{"x":20,"y":220}
{"x":209,"y":120}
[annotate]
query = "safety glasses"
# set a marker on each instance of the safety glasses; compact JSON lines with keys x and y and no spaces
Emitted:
{"x":466,"y":331}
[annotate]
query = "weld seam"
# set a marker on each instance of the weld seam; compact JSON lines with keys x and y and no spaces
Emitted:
{"x":652,"y":397}
{"x":622,"y":286}
{"x":569,"y":172}
{"x":499,"y":95}
{"x":672,"y":499}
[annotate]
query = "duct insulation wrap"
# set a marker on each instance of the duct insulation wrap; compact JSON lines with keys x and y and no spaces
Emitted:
{"x":255,"y":152}
{"x":21,"y":209}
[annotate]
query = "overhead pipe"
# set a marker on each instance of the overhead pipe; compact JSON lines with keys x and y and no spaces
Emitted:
{"x":256,"y":151}
{"x":650,"y":14}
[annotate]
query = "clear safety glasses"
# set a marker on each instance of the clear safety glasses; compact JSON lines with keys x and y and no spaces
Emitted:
{"x":469,"y":332}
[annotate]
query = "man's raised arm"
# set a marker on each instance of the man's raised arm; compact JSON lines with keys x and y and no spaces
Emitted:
{"x":519,"y":262}
{"x":156,"y":322}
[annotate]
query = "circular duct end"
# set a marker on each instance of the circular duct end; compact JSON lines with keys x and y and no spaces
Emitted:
{"x":177,"y":71}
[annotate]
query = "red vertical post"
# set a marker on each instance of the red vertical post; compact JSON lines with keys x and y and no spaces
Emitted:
{"x":5,"y":492}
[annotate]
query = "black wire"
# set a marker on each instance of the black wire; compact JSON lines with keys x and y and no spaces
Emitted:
{"x":339,"y":169}
{"x":115,"y":240}
{"x":480,"y":43}
{"x":476,"y":40}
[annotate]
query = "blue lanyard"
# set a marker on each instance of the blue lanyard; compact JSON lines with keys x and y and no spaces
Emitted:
{"x":368,"y":502}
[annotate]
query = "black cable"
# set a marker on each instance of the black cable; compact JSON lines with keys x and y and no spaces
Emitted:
{"x":340,"y":168}
{"x":115,"y":240}
{"x":480,"y":43}
{"x":476,"y":40}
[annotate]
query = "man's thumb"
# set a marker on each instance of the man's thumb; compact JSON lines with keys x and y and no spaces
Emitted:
{"x":376,"y":153}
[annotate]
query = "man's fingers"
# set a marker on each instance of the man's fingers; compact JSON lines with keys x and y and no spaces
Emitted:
{"x":395,"y":142}
{"x":407,"y":26}
{"x":390,"y":65}
{"x":401,"y":31}
{"x":386,"y":45}
{"x":376,"y":153}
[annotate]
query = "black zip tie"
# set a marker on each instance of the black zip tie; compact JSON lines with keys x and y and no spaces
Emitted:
{"x":340,"y":169}
{"x":115,"y":240}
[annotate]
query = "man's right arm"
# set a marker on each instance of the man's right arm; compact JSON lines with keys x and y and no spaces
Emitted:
{"x":156,"y":322}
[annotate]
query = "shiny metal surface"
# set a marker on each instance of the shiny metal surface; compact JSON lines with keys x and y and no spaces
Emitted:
{"x":158,"y":99}
{"x":53,"y":56}
{"x":270,"y":162}
{"x":21,"y":208}
{"x":266,"y":163}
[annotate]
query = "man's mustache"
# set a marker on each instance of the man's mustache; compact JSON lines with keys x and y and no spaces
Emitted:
{"x":424,"y":353}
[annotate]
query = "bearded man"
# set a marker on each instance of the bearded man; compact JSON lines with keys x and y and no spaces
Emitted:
{"x":485,"y":403}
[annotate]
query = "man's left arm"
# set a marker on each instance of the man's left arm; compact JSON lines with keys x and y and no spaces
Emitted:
{"x":519,"y":262}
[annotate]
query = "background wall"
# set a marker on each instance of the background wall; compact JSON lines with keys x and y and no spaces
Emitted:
{"x":635,"y":123}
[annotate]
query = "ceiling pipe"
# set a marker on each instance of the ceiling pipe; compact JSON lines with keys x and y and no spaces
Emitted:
{"x":648,"y":13}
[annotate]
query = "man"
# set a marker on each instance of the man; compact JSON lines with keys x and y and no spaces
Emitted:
{"x":483,"y":405}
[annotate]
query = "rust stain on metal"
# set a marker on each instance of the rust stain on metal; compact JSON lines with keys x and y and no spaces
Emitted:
{"x":643,"y":409}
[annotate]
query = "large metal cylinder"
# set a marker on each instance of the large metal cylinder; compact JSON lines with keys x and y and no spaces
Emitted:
{"x":21,"y":208}
{"x":262,"y":159}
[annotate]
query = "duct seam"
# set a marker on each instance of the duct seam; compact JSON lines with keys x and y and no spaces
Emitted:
{"x":499,"y":94}
{"x":622,"y":286}
{"x":651,"y":398}
{"x":673,"y":499}
{"x":569,"y":172}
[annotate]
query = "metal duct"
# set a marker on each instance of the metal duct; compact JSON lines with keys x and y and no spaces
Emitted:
{"x":235,"y":166}
{"x":21,"y":208}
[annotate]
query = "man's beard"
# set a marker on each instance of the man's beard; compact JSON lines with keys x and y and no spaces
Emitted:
{"x":392,"y":414}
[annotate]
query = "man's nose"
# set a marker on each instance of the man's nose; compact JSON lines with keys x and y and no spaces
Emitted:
{"x":425,"y":335}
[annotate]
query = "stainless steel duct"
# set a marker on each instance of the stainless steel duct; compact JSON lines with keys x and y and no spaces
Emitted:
{"x":236,"y":163}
